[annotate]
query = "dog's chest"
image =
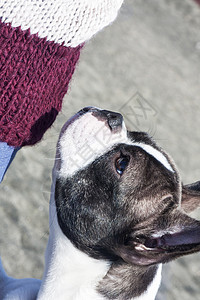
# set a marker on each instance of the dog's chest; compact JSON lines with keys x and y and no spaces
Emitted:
{"x":90,"y":293}
{"x":150,"y":294}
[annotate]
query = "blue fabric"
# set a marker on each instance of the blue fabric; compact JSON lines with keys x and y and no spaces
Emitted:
{"x":7,"y":153}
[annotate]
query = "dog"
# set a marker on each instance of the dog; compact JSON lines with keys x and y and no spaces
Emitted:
{"x":118,"y":211}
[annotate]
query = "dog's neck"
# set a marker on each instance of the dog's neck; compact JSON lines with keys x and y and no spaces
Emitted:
{"x":71,"y":274}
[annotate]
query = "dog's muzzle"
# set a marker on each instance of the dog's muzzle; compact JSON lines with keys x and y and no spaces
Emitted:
{"x":86,"y":136}
{"x":113,"y":119}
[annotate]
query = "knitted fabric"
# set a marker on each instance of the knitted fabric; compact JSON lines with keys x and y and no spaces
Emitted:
{"x":71,"y":22}
{"x":40,"y":43}
{"x":34,"y":79}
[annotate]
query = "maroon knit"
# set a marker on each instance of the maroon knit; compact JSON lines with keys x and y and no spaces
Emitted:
{"x":34,"y":77}
{"x":198,"y":1}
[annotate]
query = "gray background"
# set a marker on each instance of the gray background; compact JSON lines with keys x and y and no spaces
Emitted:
{"x":149,"y":57}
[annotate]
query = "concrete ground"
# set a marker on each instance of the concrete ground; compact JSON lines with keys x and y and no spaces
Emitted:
{"x":147,"y":66}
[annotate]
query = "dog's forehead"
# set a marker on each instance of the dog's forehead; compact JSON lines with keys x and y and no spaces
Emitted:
{"x":84,"y":139}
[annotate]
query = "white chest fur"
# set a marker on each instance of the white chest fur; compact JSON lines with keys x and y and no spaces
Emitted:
{"x":69,"y":273}
{"x":76,"y":276}
{"x":72,"y":275}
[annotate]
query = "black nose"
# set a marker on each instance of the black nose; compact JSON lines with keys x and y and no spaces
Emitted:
{"x":114,"y":119}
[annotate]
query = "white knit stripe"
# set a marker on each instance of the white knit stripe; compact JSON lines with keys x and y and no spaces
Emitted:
{"x":71,"y":22}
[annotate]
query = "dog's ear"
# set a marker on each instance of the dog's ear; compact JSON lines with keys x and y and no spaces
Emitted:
{"x":191,"y":197}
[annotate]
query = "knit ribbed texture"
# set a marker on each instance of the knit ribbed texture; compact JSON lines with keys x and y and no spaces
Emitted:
{"x":71,"y":22}
{"x":34,"y":77}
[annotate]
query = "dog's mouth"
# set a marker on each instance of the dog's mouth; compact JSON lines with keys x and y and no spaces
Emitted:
{"x":153,"y":250}
{"x":172,"y":242}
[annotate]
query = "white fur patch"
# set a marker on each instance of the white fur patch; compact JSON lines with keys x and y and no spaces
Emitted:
{"x":72,"y":274}
{"x":156,"y":154}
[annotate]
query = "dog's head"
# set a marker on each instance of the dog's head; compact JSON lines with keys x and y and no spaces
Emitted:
{"x":118,"y":195}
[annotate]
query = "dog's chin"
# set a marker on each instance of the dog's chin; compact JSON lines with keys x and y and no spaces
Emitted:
{"x":149,"y":251}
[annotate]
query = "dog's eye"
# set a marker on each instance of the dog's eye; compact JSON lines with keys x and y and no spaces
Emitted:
{"x":121,"y":164}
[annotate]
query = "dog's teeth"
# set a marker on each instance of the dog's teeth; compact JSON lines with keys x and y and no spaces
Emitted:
{"x":140,"y":247}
